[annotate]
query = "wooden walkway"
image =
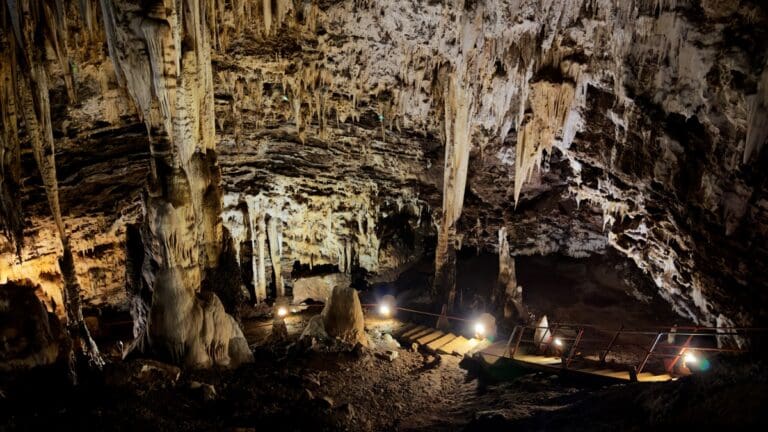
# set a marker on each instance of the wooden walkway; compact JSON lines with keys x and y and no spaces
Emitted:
{"x":490,"y":354}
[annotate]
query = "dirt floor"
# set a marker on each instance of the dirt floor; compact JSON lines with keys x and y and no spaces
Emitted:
{"x":294,"y":387}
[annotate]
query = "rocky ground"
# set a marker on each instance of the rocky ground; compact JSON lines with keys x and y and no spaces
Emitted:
{"x":291,"y":387}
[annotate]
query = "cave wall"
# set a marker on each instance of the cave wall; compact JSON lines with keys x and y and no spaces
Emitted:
{"x":592,"y":125}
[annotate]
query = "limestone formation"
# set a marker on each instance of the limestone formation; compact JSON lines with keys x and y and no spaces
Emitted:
{"x":360,"y":137}
{"x":343,"y":316}
{"x":318,"y":288}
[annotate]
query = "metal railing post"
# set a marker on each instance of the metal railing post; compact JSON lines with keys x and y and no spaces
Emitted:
{"x":573,"y":348}
{"x":552,"y":337}
{"x":517,"y":344}
{"x":509,"y":341}
{"x":650,"y":352}
{"x":610,"y":344}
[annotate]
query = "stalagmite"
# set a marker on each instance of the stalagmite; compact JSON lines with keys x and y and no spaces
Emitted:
{"x":508,"y":296}
{"x":258,"y":233}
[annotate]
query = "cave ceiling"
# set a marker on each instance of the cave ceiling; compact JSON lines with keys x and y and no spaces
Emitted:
{"x":578,"y":126}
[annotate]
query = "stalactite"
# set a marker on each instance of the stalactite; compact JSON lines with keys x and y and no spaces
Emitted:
{"x":261,"y":244}
{"x":550,"y":103}
{"x":457,"y":106}
{"x":274,"y":231}
{"x":11,"y":219}
{"x":30,"y":80}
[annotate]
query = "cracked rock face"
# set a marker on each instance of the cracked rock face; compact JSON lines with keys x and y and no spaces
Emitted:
{"x":360,"y":136}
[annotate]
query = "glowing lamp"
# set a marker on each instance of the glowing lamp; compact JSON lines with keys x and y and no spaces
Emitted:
{"x":558,"y":342}
{"x":690,"y":358}
{"x":282,"y":311}
{"x":479,"y":329}
{"x":384,"y":310}
{"x":386,"y":306}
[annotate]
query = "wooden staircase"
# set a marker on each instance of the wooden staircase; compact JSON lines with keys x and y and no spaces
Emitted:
{"x":437,"y":341}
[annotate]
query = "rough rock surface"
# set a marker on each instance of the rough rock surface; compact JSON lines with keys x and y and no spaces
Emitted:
{"x":343,"y":316}
{"x":27,"y":338}
{"x":351,"y":133}
{"x":318,"y":288}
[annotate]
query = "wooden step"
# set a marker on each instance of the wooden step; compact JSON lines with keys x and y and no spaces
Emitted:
{"x":611,"y":373}
{"x":459,"y":343}
{"x":536,"y":359}
{"x":498,"y":349}
{"x":414,"y":336}
{"x":403,"y":329}
{"x":471,"y":344}
{"x":441,"y":341}
{"x":655,"y":378}
{"x":412,"y":331}
{"x":423,"y":340}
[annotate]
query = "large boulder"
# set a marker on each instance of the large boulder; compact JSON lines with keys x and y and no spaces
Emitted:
{"x":318,"y":288}
{"x":27,"y":331}
{"x":343,"y":316}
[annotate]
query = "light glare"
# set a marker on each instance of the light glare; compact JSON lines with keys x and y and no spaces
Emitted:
{"x":479,"y":329}
{"x":558,"y":342}
{"x":282,"y":311}
{"x":690,"y":357}
{"x":384,"y":310}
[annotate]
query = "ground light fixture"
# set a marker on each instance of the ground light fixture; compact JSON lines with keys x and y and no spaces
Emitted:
{"x":558,"y":342}
{"x":386,"y":306}
{"x":282,"y":311}
{"x":384,"y":310}
{"x":690,"y":358}
{"x":484,"y":327}
{"x":479,"y":330}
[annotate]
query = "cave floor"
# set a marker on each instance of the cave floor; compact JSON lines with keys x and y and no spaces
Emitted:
{"x":299,"y":389}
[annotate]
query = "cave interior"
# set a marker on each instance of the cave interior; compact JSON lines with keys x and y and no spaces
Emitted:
{"x":295,"y":214}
